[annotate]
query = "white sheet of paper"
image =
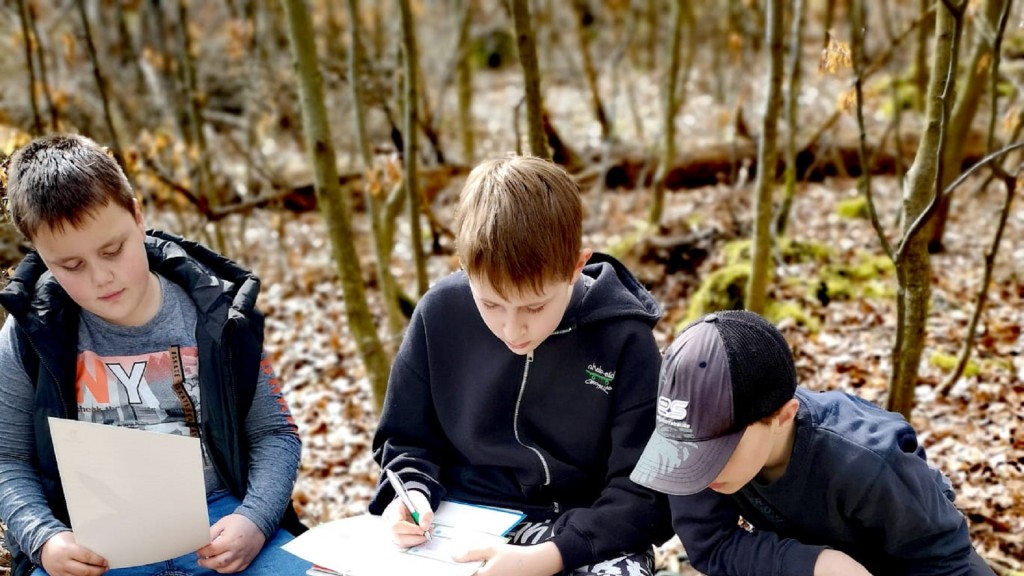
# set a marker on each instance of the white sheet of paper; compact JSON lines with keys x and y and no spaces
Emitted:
{"x":361,"y":545}
{"x":134,"y":497}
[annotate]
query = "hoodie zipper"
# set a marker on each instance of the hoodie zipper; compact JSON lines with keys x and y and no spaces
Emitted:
{"x":515,"y":421}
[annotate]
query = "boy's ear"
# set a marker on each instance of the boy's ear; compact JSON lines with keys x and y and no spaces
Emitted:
{"x":788,"y":411}
{"x":138,"y":212}
{"x":581,"y":261}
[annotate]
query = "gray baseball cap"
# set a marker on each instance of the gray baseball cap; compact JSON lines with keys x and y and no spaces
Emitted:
{"x":721,"y":374}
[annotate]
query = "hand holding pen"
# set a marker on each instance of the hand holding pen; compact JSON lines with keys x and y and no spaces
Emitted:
{"x":410,"y":514}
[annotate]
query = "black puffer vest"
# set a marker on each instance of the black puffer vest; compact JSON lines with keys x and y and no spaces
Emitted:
{"x":229,"y":338}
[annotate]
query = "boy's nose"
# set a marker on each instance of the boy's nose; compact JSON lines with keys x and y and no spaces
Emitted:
{"x":102,"y":275}
{"x":514,"y":328}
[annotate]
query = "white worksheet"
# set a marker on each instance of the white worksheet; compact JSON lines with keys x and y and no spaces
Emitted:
{"x":134,"y":497}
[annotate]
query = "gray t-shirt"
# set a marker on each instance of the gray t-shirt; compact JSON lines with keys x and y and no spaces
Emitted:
{"x":124,"y":378}
{"x":125,"y":373}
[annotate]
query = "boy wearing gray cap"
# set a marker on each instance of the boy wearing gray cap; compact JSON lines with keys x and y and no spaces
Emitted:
{"x":830,"y":483}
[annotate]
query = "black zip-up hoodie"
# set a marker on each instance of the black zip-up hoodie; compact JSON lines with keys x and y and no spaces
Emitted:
{"x":554,"y":434}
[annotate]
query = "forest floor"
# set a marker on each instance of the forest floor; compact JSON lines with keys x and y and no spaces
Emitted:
{"x":974,"y":434}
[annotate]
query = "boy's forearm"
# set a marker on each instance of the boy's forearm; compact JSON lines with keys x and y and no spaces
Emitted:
{"x":706,"y":523}
{"x":23,"y":507}
{"x":543,"y":559}
{"x":24,"y":510}
{"x":272,"y":474}
{"x":835,"y":563}
{"x":275,"y":450}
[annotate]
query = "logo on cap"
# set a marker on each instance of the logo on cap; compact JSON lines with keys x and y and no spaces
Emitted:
{"x":673,"y":409}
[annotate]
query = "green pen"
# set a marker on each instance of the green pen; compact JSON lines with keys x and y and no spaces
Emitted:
{"x":403,"y":495}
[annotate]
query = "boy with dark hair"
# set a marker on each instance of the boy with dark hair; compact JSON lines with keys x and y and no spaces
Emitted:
{"x":527,"y":381}
{"x":98,"y":316}
{"x":831,"y":484}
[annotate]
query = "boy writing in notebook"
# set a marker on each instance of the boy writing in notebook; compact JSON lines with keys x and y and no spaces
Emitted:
{"x":832,"y":484}
{"x":527,"y":381}
{"x":101,"y":317}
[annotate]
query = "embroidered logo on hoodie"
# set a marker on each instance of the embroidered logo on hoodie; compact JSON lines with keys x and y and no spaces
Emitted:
{"x":599,"y":378}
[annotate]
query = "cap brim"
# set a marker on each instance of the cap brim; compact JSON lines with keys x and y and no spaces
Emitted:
{"x":681,"y":467}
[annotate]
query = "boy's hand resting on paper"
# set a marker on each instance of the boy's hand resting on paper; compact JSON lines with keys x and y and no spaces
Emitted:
{"x":835,"y":563}
{"x":508,"y":560}
{"x":63,"y":556}
{"x":234,"y":542}
{"x":405,"y":532}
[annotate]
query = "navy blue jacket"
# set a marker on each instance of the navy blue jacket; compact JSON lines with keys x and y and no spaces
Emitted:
{"x":857,"y":481}
{"x":555,"y":434}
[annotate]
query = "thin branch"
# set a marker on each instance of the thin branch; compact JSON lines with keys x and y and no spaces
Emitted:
{"x":170,"y":182}
{"x":1010,"y":184}
{"x":37,"y":121}
{"x":101,"y":83}
{"x":862,"y":149}
{"x":981,"y":163}
{"x":982,"y":297}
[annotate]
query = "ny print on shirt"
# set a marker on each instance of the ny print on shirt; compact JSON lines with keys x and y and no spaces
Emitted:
{"x":137,"y":391}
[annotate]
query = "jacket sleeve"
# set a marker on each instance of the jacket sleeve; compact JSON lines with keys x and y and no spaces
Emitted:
{"x":908,"y":508}
{"x":23,"y":508}
{"x":626,"y":517}
{"x":274,"y":449}
{"x":409,"y":440}
{"x":707,"y":525}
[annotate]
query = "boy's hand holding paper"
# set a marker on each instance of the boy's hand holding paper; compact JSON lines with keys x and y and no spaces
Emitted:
{"x":63,"y":555}
{"x":234,"y":541}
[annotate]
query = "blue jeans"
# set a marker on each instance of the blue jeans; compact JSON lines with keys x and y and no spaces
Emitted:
{"x":271,"y":561}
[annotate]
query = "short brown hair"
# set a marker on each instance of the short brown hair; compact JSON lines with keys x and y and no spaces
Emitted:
{"x":61,"y":178}
{"x":519,"y":224}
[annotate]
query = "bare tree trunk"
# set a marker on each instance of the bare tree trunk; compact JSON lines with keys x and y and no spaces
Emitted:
{"x":334,"y":34}
{"x":761,"y":263}
{"x":131,"y":55}
{"x":792,"y":115}
{"x":203,"y":188}
{"x":332,"y":202}
{"x":527,"y":44}
{"x":720,"y":52}
{"x":101,"y":84}
{"x":44,"y":76}
{"x":464,"y":81}
{"x":410,"y":128}
{"x":921,"y":54}
{"x":830,"y":17}
{"x":252,"y":11}
{"x":580,"y":11}
{"x":37,"y":119}
{"x":920,"y":196}
{"x":668,"y":143}
{"x":968,"y":97}
{"x":381,"y":245}
{"x":652,"y":12}
{"x":166,"y":88}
